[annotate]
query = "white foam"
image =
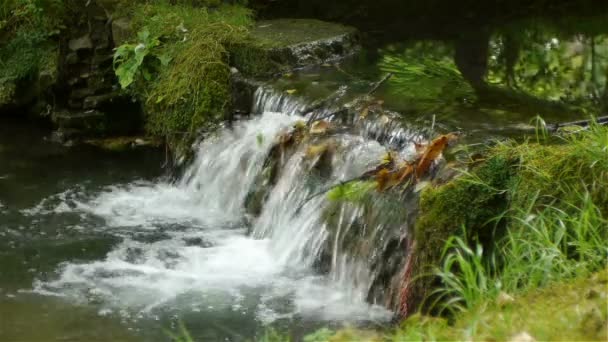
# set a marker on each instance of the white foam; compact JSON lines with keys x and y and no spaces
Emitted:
{"x":204,"y":253}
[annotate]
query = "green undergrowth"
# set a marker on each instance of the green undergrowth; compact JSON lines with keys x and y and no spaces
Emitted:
{"x":183,"y":78}
{"x":541,"y":188}
{"x":28,"y":32}
{"x":566,"y":311}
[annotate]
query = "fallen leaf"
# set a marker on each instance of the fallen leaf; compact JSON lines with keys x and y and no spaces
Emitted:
{"x":433,"y":152}
{"x":291,"y":91}
{"x":319,"y":127}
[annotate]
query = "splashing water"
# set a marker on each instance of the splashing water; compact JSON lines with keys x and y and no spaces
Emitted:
{"x":187,"y":242}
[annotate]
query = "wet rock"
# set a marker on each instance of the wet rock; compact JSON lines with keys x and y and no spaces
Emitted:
{"x":82,"y":43}
{"x":117,"y":144}
{"x":198,"y":242}
{"x":97,"y":101}
{"x":89,"y":121}
{"x":72,"y":58}
{"x":284,"y":44}
{"x":81,"y":93}
{"x":243,"y":90}
{"x":121,"y":30}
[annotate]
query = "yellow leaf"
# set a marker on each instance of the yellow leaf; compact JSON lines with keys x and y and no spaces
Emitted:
{"x":291,"y":91}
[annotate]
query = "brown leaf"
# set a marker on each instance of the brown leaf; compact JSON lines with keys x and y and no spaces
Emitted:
{"x":383,"y":179}
{"x":319,"y":127}
{"x":432,"y":152}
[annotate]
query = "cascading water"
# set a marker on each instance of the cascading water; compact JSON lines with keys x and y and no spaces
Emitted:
{"x":270,"y":100}
{"x":190,"y":245}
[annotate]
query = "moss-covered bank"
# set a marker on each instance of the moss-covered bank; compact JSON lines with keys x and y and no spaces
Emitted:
{"x":176,"y":63}
{"x":516,"y":187}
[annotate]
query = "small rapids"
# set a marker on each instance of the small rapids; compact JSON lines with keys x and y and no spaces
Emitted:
{"x":191,"y":246}
{"x":187,"y":241}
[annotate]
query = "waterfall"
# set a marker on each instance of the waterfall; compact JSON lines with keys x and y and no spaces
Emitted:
{"x":191,"y":240}
{"x":270,"y":100}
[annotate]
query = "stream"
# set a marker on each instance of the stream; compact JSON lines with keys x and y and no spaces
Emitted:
{"x":108,"y":244}
{"x":104,"y":246}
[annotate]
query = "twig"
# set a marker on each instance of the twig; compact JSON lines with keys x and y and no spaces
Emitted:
{"x":379,"y":83}
{"x":602,"y":120}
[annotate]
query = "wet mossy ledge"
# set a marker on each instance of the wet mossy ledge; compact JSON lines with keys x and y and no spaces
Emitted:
{"x":281,"y":45}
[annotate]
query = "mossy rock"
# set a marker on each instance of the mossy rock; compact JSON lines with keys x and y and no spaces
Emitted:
{"x":276,"y":46}
{"x":473,"y":201}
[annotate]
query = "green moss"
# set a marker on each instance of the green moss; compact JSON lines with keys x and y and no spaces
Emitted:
{"x":558,"y":173}
{"x":471,"y":201}
{"x":571,"y":311}
{"x":28,"y":46}
{"x":515,"y":183}
{"x":188,"y":89}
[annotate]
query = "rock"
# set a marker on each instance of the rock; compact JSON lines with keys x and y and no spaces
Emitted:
{"x":319,"y":127}
{"x":102,"y":59}
{"x":117,"y":144}
{"x":82,"y":43}
{"x":277,"y":46}
{"x":522,"y":337}
{"x":90,"y":122}
{"x":92,"y":102}
{"x":121,"y":31}
{"x":72,"y":58}
{"x":99,"y":83}
{"x":81,"y":93}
